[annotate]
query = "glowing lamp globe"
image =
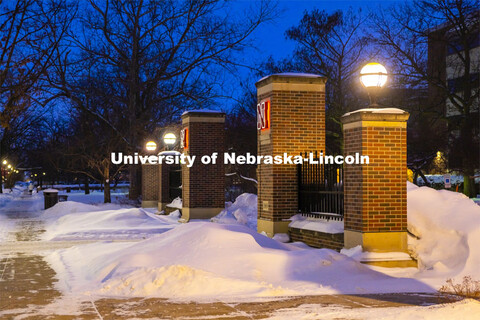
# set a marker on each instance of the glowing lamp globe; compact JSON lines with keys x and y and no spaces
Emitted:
{"x":151,"y":146}
{"x":373,"y":75}
{"x":169,"y":139}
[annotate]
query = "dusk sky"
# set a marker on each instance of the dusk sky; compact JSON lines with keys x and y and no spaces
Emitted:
{"x":271,"y":37}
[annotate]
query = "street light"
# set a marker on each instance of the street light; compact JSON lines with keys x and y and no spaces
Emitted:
{"x":151,"y":146}
{"x":373,"y":76}
{"x":169,"y":139}
{"x":5,"y":162}
{"x":9,"y":166}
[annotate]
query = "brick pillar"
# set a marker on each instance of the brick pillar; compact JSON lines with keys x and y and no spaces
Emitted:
{"x":150,"y":185}
{"x":375,"y":193}
{"x":203,"y":185}
{"x":291,"y":119}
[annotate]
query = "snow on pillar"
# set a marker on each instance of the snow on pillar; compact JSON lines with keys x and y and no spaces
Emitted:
{"x":203,"y":185}
{"x":375,"y":193}
{"x":291,"y":119}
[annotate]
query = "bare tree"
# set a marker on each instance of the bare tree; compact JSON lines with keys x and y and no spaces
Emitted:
{"x":30,"y":34}
{"x":332,"y":45}
{"x":160,"y":55}
{"x":450,"y":29}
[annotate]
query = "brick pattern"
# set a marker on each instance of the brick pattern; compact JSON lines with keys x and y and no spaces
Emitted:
{"x":375,"y":194}
{"x":150,"y":182}
{"x":317,"y":239}
{"x":297,"y":124}
{"x":203,"y":186}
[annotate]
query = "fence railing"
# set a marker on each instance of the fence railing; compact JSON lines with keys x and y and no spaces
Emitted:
{"x":320,"y":189}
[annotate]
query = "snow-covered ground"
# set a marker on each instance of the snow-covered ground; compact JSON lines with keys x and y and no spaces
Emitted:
{"x":468,"y":309}
{"x":209,"y":261}
{"x":226,"y":259}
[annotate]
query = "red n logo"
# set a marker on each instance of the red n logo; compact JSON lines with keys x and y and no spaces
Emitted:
{"x":263,"y":115}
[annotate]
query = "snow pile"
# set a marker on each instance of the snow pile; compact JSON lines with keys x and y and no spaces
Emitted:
{"x":209,"y":261}
{"x":243,"y":211}
{"x":321,"y":225}
{"x":176,"y":203}
{"x":72,"y":220}
{"x":448,"y":226}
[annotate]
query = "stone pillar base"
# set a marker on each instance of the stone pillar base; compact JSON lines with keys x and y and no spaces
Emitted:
{"x":377,"y":241}
{"x":272,"y":227}
{"x":149,"y":203}
{"x":381,"y":242}
{"x":407,"y":263}
{"x":199,"y":213}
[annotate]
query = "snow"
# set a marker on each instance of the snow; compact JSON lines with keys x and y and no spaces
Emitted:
{"x":202,"y":111}
{"x":281,"y":237}
{"x":51,"y":190}
{"x":448,"y":225}
{"x":205,"y":261}
{"x":293,"y":74}
{"x":467,"y":309}
{"x":315,"y":224}
{"x":169,"y":153}
{"x":229,"y":261}
{"x":78,"y":221}
{"x":176,"y":203}
{"x":377,"y":110}
{"x":439,"y":179}
{"x":359,"y":255}
{"x":243,"y":211}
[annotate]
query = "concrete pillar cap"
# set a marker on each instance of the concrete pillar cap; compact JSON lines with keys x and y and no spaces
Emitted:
{"x":290,"y":77}
{"x":375,"y":114}
{"x":203,"y":113}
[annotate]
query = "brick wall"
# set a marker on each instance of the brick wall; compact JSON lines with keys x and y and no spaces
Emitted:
{"x":317,"y":239}
{"x":203,"y":186}
{"x":375,"y":194}
{"x":150,"y":182}
{"x":297,"y":124}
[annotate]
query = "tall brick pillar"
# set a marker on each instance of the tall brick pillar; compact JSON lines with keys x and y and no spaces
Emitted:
{"x":165,"y":172}
{"x":290,"y":119}
{"x":150,"y":185}
{"x":375,"y":193}
{"x":203,"y":185}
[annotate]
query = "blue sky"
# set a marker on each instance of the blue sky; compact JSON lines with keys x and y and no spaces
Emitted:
{"x":271,"y":37}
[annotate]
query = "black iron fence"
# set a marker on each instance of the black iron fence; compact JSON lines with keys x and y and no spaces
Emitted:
{"x":320,"y":189}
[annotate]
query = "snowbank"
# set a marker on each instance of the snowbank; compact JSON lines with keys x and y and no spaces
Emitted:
{"x":176,"y":203}
{"x":448,"y":226}
{"x":79,"y":221}
{"x":209,"y":261}
{"x":243,"y":211}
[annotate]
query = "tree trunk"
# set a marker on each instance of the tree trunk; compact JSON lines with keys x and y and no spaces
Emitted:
{"x":468,"y":186}
{"x":135,"y":178}
{"x":87,"y":186}
{"x":106,"y":192}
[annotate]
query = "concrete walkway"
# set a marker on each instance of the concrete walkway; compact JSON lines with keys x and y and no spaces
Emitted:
{"x":28,"y":287}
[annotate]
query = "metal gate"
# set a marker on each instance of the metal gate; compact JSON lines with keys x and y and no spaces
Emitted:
{"x":320,"y":190}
